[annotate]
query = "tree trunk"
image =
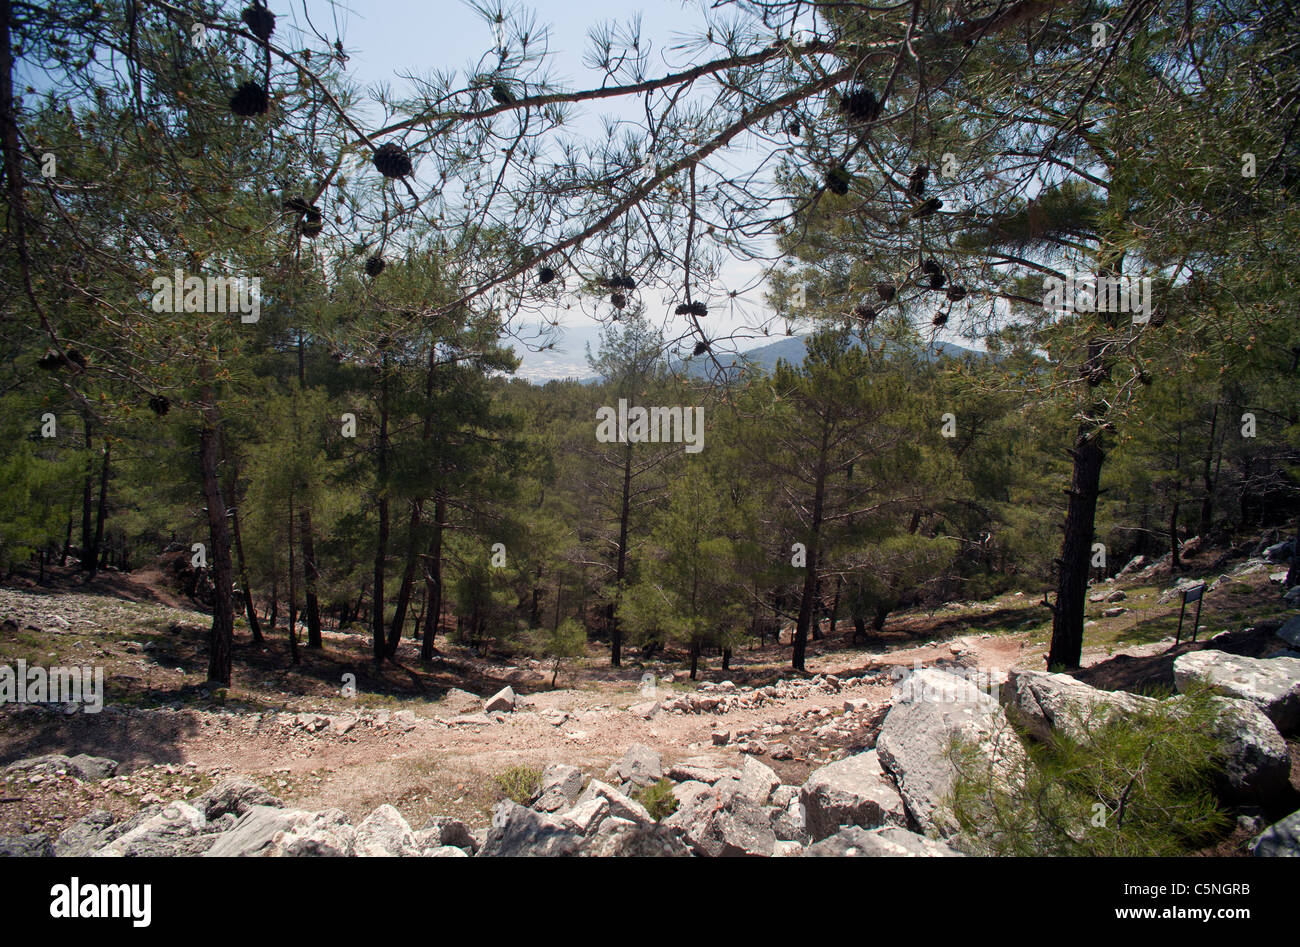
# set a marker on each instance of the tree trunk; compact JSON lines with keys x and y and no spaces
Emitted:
{"x":1076,"y":551}
{"x":433,"y":582}
{"x":620,"y":570}
{"x":381,"y":546}
{"x":535,"y":611}
{"x":87,"y":502}
{"x":310,"y":577}
{"x":221,"y":636}
{"x":274,"y":615}
{"x":249,"y":608}
{"x":835,"y":606}
{"x":1293,"y":574}
{"x":1208,"y":479}
{"x":101,"y":513}
{"x":810,"y":579}
{"x":1174,"y":563}
{"x":293,"y":590}
{"x":404,"y":590}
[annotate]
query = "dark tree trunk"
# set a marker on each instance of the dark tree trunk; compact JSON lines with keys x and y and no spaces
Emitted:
{"x":620,"y":569}
{"x":310,"y":577}
{"x":381,"y":546}
{"x":293,"y":590}
{"x":250,"y":609}
{"x":1175,"y":564}
{"x":274,"y":615}
{"x":818,"y":612}
{"x":695,"y":660}
{"x":810,"y":581}
{"x":408,"y":578}
{"x":1076,"y":551}
{"x":535,"y":612}
{"x":87,"y":503}
{"x":433,"y":582}
{"x":100,"y":514}
{"x":859,"y":627}
{"x":1208,"y":480}
{"x":1293,"y":574}
{"x":835,"y":606}
{"x":221,"y":637}
{"x":356,"y":609}
{"x":419,"y":617}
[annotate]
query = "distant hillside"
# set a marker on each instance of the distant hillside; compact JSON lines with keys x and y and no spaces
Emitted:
{"x":569,"y":357}
{"x":792,"y":349}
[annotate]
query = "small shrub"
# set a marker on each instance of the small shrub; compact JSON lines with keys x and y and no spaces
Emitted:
{"x":658,"y":799}
{"x":1139,"y":785}
{"x":519,"y":783}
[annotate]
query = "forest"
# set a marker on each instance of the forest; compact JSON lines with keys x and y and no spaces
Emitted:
{"x":260,"y":322}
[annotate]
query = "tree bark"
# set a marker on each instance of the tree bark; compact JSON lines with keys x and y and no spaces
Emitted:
{"x":433,"y":582}
{"x":101,"y":513}
{"x":87,"y":502}
{"x":404,"y":590}
{"x":1076,"y":550}
{"x":221,"y":636}
{"x":1175,"y":564}
{"x":293,"y":590}
{"x":1207,"y":480}
{"x":250,"y":609}
{"x":1293,"y":574}
{"x":274,"y":615}
{"x":381,"y":546}
{"x":620,"y":569}
{"x":310,"y":577}
{"x":798,"y":658}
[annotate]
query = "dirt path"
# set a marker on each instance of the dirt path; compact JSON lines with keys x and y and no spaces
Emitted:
{"x":412,"y":738}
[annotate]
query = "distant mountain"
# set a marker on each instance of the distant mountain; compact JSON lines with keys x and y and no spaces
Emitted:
{"x":567,"y":360}
{"x":792,"y":349}
{"x":569,"y":357}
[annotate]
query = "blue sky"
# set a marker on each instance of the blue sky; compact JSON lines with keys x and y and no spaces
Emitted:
{"x":388,"y":39}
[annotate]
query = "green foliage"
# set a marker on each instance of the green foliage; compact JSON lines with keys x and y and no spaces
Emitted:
{"x":36,"y":496}
{"x":565,"y":641}
{"x":658,"y":799}
{"x":1138,"y":785}
{"x":519,"y":783}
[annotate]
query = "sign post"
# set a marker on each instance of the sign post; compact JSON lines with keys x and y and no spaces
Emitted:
{"x":1195,"y":593}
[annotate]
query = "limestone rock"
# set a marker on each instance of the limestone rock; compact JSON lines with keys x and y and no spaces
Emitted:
{"x":520,"y":832}
{"x":891,"y":842}
{"x":1281,"y":839}
{"x":1271,"y":684}
{"x":502,"y":701}
{"x":853,"y":791}
{"x":916,"y":742}
{"x":385,"y":834}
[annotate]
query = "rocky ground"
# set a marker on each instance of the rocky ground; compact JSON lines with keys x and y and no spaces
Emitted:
{"x":761,"y":762}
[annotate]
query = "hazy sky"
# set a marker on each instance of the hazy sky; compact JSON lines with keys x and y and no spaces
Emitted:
{"x":388,"y":39}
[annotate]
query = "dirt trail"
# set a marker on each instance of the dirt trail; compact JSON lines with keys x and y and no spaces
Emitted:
{"x":173,"y":740}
